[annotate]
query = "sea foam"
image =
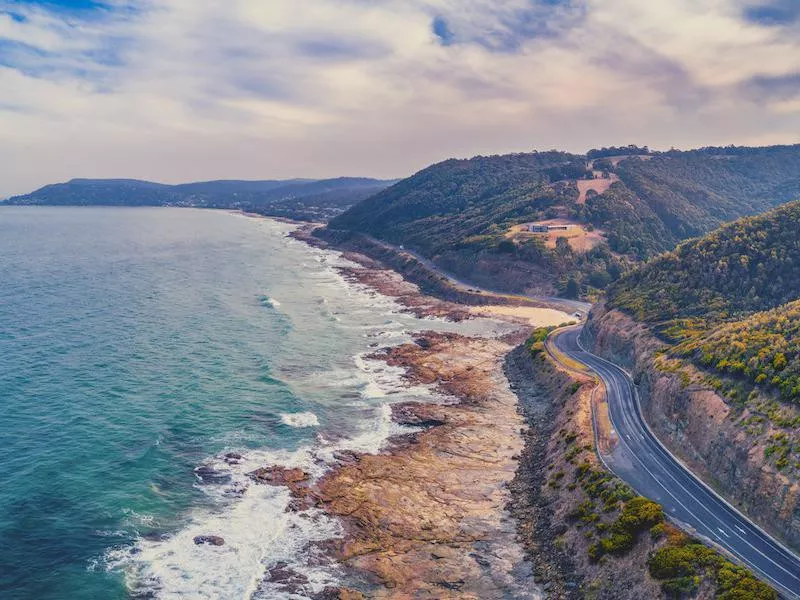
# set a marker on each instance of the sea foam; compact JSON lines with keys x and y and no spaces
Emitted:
{"x":303,"y":419}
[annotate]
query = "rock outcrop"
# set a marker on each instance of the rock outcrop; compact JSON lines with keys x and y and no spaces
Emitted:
{"x":725,"y":442}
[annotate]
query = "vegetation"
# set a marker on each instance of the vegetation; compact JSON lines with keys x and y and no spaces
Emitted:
{"x":303,"y":199}
{"x":750,"y":265}
{"x":638,"y":515}
{"x":765,"y":348}
{"x":459,"y":212}
{"x":630,"y":224}
{"x":461,"y":202}
{"x":631,"y":149}
{"x":537,"y":339}
{"x":682,"y":564}
{"x":695,"y":192}
{"x":608,"y":520}
{"x":728,"y":302}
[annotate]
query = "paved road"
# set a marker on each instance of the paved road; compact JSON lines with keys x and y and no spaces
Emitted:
{"x":564,"y":304}
{"x":652,"y":471}
{"x":642,"y":461}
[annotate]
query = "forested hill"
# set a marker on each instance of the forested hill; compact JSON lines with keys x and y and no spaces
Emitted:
{"x":729,"y":300}
{"x":631,"y":203}
{"x":750,"y":265}
{"x":297,"y":198}
{"x":694,"y":192}
{"x":446,"y":203}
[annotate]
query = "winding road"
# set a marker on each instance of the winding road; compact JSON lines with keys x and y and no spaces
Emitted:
{"x":646,"y":465}
{"x":643,"y":462}
{"x":563,"y":304}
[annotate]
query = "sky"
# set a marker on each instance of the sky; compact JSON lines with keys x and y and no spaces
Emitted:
{"x":184,"y":90}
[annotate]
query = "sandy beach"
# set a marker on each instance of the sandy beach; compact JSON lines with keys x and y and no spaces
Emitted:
{"x":529,"y":315}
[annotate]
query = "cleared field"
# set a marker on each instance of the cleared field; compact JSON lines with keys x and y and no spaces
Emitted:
{"x":598,"y":185}
{"x":580,"y":240}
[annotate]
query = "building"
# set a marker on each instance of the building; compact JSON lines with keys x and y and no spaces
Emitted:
{"x":538,"y":228}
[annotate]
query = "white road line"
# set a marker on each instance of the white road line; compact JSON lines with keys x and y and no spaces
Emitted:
{"x":689,"y":475}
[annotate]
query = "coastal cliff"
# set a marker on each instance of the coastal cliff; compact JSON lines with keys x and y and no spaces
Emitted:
{"x":731,"y":441}
{"x":564,"y":498}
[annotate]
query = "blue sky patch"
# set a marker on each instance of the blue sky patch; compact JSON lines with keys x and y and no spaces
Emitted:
{"x":774,"y":13}
{"x":442,"y":30}
{"x":512,"y":28}
{"x":62,"y":4}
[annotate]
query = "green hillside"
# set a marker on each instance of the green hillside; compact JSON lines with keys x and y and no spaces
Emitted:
{"x":764,"y":347}
{"x":750,"y":265}
{"x":694,"y":192}
{"x":453,"y":201}
{"x":728,"y":301}
{"x":303,"y":199}
{"x":459,"y":212}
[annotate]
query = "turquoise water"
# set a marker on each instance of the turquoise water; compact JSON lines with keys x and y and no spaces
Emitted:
{"x":139,"y":344}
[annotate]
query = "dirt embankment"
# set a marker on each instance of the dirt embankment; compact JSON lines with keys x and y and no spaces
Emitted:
{"x":728,"y":443}
{"x":502,"y":272}
{"x":556,"y":513}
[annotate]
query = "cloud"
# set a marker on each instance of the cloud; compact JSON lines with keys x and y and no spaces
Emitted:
{"x":506,"y":26}
{"x":176,"y":90}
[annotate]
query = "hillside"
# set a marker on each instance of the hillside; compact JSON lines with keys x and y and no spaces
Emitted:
{"x":750,"y":265}
{"x":764,"y":348}
{"x":728,"y":301}
{"x":694,"y":192}
{"x":464,"y":214}
{"x":296,"y":198}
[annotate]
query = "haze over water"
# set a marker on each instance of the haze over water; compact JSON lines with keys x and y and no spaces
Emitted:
{"x":138,"y":344}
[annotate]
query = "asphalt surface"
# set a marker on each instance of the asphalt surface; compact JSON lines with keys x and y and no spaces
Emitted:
{"x":563,"y":304}
{"x":644,"y":463}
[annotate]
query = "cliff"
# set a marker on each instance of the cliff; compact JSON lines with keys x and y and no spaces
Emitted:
{"x":563,"y":497}
{"x":733,"y":436}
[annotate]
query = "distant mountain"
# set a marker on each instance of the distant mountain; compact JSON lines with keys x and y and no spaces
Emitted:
{"x":296,"y":198}
{"x":630,"y":202}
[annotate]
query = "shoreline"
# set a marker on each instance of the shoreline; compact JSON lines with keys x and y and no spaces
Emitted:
{"x":430,"y":515}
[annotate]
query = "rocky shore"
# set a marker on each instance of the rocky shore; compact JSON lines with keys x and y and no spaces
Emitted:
{"x":430,"y":516}
{"x":499,"y":493}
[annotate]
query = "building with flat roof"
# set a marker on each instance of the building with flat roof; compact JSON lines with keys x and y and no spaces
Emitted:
{"x":540,"y":228}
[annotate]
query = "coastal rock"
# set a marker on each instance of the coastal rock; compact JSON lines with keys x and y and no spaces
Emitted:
{"x":346,"y":456}
{"x":415,"y":414}
{"x":208,"y":474}
{"x":284,"y":575}
{"x":334,"y":593}
{"x":233,"y":458}
{"x":297,"y":480}
{"x":426,"y":519}
{"x":423,"y":343}
{"x":279,"y":476}
{"x":209,"y":540}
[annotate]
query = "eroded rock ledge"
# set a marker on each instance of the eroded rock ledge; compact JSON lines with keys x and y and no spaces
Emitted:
{"x":427,"y":518}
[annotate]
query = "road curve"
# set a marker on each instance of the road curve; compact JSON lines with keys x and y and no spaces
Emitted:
{"x":642,"y":461}
{"x":564,"y":304}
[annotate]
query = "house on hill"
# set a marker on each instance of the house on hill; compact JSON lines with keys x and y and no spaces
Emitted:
{"x":541,"y":228}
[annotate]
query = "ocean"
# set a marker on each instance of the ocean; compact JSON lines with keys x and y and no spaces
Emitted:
{"x":140,"y":346}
